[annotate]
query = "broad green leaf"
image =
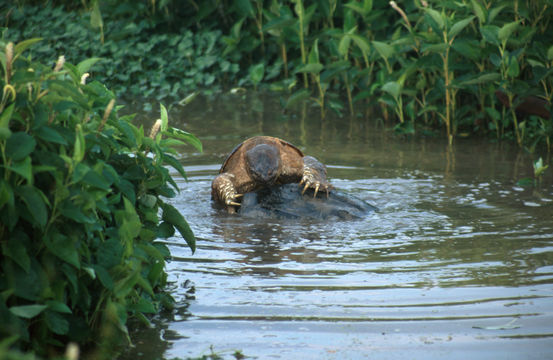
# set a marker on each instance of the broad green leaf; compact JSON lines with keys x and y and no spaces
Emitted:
{"x":495,"y":11}
{"x":343,"y":45}
{"x":50,"y":134}
{"x":23,"y":168}
{"x":435,"y":48}
{"x":63,"y":247}
{"x":128,"y":222}
{"x":362,"y":43}
{"x":174,"y":217}
{"x":459,"y":26}
{"x":6,"y":193}
{"x":245,"y":7}
{"x":24,"y":45}
{"x":506,"y":30}
{"x":364,"y":8}
{"x":19,"y":146}
{"x":58,"y":306}
{"x":94,"y":179}
{"x":144,"y":284}
{"x":186,"y":136}
{"x":257,"y":72}
{"x":57,"y":323}
{"x":393,"y":88}
{"x":96,"y":16}
{"x":278,"y":24}
{"x":34,"y":200}
{"x":164,"y":117}
{"x":385,"y":50}
{"x":172,"y":161}
{"x":436,"y":16}
{"x":85,"y":65}
{"x":143,"y":306}
{"x":513,"y":70}
{"x":484,"y":78}
{"x":165,"y":230}
{"x":313,"y":57}
{"x":16,"y":250}
{"x":79,"y":148}
{"x":479,"y":10}
{"x":311,"y":68}
{"x":490,"y":34}
{"x":5,"y":122}
{"x":104,"y":276}
{"x":550,"y":53}
{"x":27,"y":311}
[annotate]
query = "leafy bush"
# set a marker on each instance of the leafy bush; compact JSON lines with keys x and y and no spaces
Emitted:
{"x":462,"y":66}
{"x":81,"y":204}
{"x":137,"y":60}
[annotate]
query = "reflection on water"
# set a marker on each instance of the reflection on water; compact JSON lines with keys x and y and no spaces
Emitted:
{"x":457,"y":262}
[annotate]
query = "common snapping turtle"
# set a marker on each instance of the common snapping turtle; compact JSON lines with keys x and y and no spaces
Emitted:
{"x":287,"y":202}
{"x":263,"y":162}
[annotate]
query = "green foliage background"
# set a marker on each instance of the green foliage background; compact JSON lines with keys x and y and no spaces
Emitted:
{"x":427,"y":64}
{"x":82,"y":201}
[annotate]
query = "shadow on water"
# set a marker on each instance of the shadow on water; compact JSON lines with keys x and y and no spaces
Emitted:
{"x":457,"y":262}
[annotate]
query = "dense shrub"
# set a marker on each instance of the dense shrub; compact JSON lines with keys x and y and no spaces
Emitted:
{"x":137,"y":60}
{"x":82,"y":202}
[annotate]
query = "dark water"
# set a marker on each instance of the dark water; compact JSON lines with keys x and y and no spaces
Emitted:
{"x":457,"y":264}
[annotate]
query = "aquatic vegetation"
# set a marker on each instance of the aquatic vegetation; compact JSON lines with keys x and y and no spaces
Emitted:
{"x":427,"y":64}
{"x":83,"y":198}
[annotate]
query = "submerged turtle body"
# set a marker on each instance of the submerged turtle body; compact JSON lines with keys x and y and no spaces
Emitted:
{"x":287,"y":202}
{"x":262,"y":162}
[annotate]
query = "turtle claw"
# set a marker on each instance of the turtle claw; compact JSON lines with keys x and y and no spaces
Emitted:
{"x":305,"y":187}
{"x":316,"y":189}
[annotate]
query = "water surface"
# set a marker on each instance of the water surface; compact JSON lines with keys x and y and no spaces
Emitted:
{"x":458,"y":262}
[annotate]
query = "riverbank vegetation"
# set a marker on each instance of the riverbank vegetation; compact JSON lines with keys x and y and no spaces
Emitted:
{"x":83,"y":198}
{"x":83,"y":191}
{"x":456,"y":67}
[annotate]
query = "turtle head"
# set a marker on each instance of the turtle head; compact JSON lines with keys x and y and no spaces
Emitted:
{"x":263,"y":164}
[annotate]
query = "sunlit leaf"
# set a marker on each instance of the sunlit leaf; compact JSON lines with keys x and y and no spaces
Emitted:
{"x":436,"y":16}
{"x":490,"y":33}
{"x":164,"y":117}
{"x":27,"y":311}
{"x":506,"y":30}
{"x":257,"y":72}
{"x":186,"y":136}
{"x":5,"y":122}
{"x":24,"y":45}
{"x":311,"y":68}
{"x":459,"y":26}
{"x":479,"y":10}
{"x":85,"y":65}
{"x":385,"y":50}
{"x":393,"y":88}
{"x":79,"y":147}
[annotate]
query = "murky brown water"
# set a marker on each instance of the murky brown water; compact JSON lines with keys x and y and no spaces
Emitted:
{"x":457,"y":264}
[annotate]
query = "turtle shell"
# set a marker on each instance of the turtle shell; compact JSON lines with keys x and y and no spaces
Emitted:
{"x":269,"y":140}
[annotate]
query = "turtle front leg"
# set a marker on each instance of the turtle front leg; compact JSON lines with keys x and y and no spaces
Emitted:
{"x":223,"y":191}
{"x":314,"y":176}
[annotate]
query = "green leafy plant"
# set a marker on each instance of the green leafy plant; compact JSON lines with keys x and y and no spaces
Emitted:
{"x":449,"y":58}
{"x":82,"y":201}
